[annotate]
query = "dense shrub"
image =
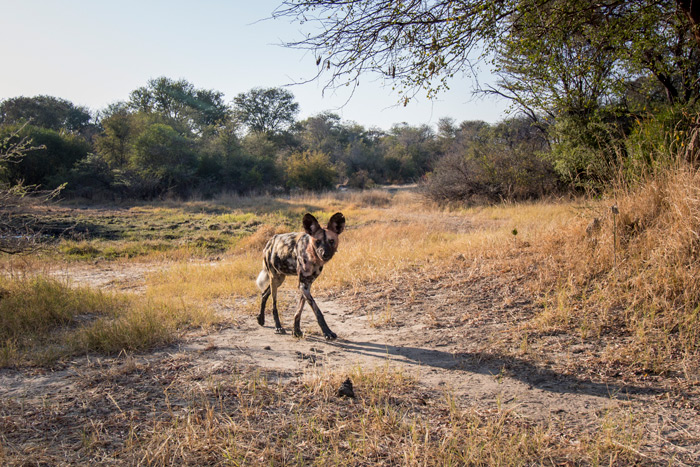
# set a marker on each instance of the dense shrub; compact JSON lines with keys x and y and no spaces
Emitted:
{"x":310,"y":170}
{"x":588,"y":152}
{"x":55,"y":154}
{"x":662,"y":138}
{"x":91,"y":178}
{"x":165,"y":156}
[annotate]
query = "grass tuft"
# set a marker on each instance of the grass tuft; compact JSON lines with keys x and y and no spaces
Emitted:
{"x":43,"y":320}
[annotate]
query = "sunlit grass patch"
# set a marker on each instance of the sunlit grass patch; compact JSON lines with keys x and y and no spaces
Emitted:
{"x":141,"y":326}
{"x":382,"y":251}
{"x":200,"y":283}
{"x":236,"y":218}
{"x":42,"y":320}
{"x":378,"y":245}
{"x":633,"y":273}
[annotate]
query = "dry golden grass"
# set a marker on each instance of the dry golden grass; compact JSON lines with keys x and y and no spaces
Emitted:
{"x":636,"y":274}
{"x":203,"y":283}
{"x":243,"y":418}
{"x":388,"y":424}
{"x":378,"y":245}
{"x":650,"y":299}
{"x":43,"y":320}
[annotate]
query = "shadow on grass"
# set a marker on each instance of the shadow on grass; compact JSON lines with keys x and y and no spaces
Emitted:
{"x":489,"y":364}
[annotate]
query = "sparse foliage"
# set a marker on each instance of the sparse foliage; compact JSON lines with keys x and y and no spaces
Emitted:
{"x":419,"y":44}
{"x":492,"y":163}
{"x":19,"y":230}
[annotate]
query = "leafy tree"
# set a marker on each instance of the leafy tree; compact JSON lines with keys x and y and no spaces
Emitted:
{"x":90,"y":178}
{"x":323,"y":132}
{"x":226,"y":162}
{"x":120,"y":130}
{"x":180,"y":103}
{"x":46,"y":112}
{"x":268,"y":110}
{"x":410,"y":151}
{"x":573,"y":58}
{"x":361,"y":155}
{"x":421,"y":45}
{"x":164,"y":156}
{"x":263,"y":149}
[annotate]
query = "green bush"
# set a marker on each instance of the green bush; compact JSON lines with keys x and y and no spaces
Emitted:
{"x":661,"y":138}
{"x":310,"y":170}
{"x":588,"y":152}
{"x":167,"y":157}
{"x":56,"y":153}
{"x":90,"y":178}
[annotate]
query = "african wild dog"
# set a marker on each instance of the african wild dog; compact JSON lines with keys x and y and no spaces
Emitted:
{"x":301,"y":254}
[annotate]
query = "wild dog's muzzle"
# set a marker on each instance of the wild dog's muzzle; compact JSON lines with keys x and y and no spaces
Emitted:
{"x":324,"y":253}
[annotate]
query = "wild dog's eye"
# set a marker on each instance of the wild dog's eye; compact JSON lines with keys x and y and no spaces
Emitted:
{"x":331,"y":241}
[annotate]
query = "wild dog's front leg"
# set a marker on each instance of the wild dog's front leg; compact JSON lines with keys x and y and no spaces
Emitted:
{"x":306,"y":295}
{"x":297,"y":318}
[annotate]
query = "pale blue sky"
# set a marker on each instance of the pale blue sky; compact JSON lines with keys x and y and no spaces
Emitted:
{"x":96,"y":52}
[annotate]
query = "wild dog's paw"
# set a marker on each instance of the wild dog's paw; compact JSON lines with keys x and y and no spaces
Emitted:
{"x":330,"y":335}
{"x":280,"y":331}
{"x":261,"y":320}
{"x":298,"y":334}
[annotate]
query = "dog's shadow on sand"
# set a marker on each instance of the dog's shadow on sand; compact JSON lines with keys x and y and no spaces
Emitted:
{"x":497,"y":366}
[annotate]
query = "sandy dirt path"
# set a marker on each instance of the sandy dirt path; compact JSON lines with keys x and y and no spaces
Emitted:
{"x":473,"y":378}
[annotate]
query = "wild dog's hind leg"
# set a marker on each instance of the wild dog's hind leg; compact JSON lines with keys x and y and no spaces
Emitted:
{"x":265,"y":296}
{"x":263,"y":283}
{"x":275,"y":282}
{"x":306,"y":295}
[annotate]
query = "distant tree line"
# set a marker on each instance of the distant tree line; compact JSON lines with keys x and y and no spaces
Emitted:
{"x":171,"y":138}
{"x":606,"y":91}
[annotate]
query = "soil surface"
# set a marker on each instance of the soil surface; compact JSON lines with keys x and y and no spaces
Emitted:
{"x":443,"y":338}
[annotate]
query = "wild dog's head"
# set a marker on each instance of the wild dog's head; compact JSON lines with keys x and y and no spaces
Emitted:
{"x":325,"y":241}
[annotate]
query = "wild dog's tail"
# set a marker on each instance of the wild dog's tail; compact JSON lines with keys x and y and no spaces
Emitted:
{"x":263,"y":280}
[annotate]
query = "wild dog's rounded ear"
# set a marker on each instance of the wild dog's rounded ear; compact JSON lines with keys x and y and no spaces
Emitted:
{"x":337,"y":223}
{"x":310,"y":223}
